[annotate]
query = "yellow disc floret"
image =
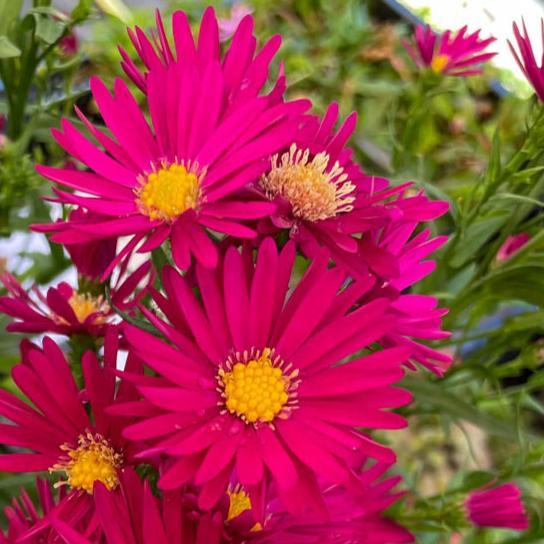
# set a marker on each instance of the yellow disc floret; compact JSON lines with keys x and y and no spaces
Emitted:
{"x":169,"y":191}
{"x":439,"y":63}
{"x":85,"y":305}
{"x":313,"y":192}
{"x":94,"y":460}
{"x":256,"y":389}
{"x":239,"y":502}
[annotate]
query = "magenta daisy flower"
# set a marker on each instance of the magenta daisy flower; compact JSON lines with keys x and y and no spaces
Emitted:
{"x":252,"y":384}
{"x":323,"y":198}
{"x":66,"y":431}
{"x":500,"y":506}
{"x":526,"y":60}
{"x":64,"y":310}
{"x":450,"y":53}
{"x":178,"y":176}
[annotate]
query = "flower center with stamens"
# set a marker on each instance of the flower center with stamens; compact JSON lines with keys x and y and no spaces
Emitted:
{"x":313,"y":192}
{"x":85,"y":305}
{"x":93,"y":460}
{"x":169,"y":191}
{"x":256,"y":388}
{"x":439,"y":63}
{"x":239,"y":502}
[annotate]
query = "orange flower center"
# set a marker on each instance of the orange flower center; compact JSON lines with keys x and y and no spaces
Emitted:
{"x":85,"y":305}
{"x":439,"y":63}
{"x":169,"y":191}
{"x":93,"y":460}
{"x":313,"y":192}
{"x":257,"y":389}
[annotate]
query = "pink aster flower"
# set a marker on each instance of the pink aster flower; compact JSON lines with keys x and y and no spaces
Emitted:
{"x":64,"y":310}
{"x":252,"y":384}
{"x":512,"y":245}
{"x":64,"y":430}
{"x":178,"y":177}
{"x":526,"y":60}
{"x":30,"y":522}
{"x":500,"y":506}
{"x":451,"y":53}
{"x":323,"y":198}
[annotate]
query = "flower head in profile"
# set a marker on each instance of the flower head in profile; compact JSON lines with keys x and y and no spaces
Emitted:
{"x":62,"y":429}
{"x":64,"y":310}
{"x":500,"y":506}
{"x":525,"y":57}
{"x":176,"y":176}
{"x":451,"y":53}
{"x":418,"y":318}
{"x":252,"y":384}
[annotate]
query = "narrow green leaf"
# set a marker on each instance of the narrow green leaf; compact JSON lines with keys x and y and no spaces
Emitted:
{"x":9,"y":11}
{"x":448,"y":403}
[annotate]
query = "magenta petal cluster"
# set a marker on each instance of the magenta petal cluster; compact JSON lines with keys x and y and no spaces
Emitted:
{"x":499,"y":506}
{"x":307,"y":421}
{"x":525,"y":57}
{"x":451,"y":53}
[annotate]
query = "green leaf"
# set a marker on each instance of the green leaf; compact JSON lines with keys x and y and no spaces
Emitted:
{"x":449,"y":403}
{"x":9,"y":11}
{"x":476,"y":236}
{"x":49,"y":30}
{"x":7,"y":49}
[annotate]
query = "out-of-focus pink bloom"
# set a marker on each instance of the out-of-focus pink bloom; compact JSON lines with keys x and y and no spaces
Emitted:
{"x":526,"y":59}
{"x":69,"y":44}
{"x":500,"y":506}
{"x":3,"y":138}
{"x":512,"y":245}
{"x":63,"y":310}
{"x":450,"y":53}
{"x":228,"y":25}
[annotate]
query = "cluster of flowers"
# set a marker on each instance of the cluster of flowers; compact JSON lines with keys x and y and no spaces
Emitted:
{"x":265,"y":352}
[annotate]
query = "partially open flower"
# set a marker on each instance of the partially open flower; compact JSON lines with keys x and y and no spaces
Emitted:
{"x":512,"y":245}
{"x":499,"y":506}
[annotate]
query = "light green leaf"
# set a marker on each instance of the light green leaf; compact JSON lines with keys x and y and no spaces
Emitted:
{"x":9,"y":10}
{"x":8,"y":49}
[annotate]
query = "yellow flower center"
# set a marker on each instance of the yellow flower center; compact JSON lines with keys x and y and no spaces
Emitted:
{"x":439,"y":63}
{"x":169,"y":191}
{"x":239,"y":502}
{"x":85,"y":305}
{"x":93,"y":460}
{"x":256,"y":388}
{"x":313,"y":192}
